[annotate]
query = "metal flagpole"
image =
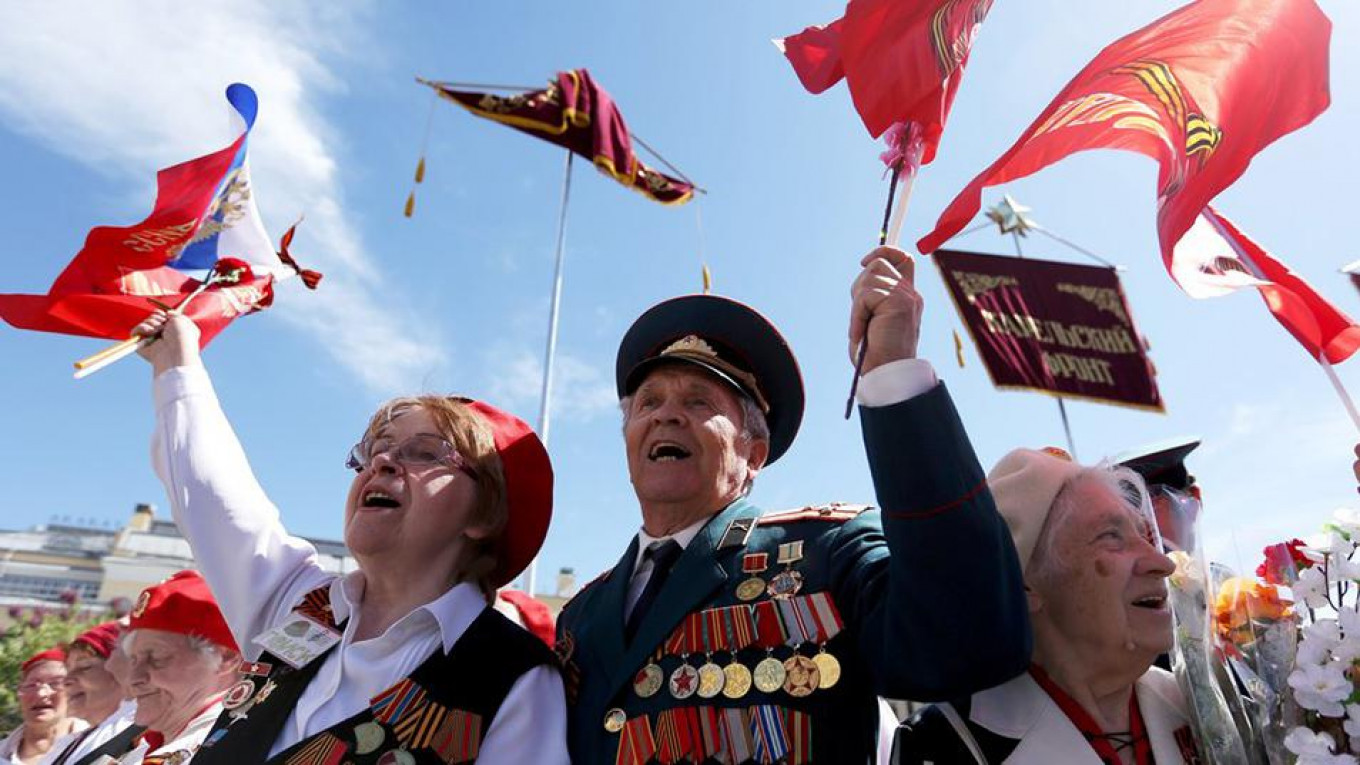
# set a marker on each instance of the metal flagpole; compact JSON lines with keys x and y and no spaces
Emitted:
{"x":1340,"y":389}
{"x":1062,"y":407}
{"x":544,"y":401}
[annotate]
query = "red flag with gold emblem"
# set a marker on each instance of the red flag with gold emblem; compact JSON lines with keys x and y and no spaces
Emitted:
{"x":1201,"y":91}
{"x":576,"y":114}
{"x":901,"y":60}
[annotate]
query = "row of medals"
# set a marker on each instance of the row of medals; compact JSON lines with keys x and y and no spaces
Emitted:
{"x":798,"y":675}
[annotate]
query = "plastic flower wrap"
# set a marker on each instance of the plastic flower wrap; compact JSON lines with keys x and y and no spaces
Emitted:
{"x":1194,"y":660}
{"x":1256,"y":629}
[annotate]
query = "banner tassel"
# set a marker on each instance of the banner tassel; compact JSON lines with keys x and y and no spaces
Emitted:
{"x":410,"y":208}
{"x":958,"y":348}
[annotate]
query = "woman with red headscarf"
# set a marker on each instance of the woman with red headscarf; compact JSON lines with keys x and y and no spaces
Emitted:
{"x":403,"y":660}
{"x":97,"y":690}
{"x":42,"y":702}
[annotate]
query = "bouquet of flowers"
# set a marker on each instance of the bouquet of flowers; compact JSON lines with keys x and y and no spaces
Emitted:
{"x":1300,"y":661}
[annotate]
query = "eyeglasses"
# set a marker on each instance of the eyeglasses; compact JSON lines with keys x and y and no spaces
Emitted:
{"x":32,"y":686}
{"x":421,"y":450}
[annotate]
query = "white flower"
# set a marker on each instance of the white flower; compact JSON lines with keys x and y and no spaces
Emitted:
{"x":1330,"y":543}
{"x":1315,"y":748}
{"x":1352,"y":724}
{"x":1348,"y":520}
{"x":1344,"y":569}
{"x":1347,"y":650}
{"x":1311,"y":587}
{"x":1302,"y":741}
{"x":1321,"y":688}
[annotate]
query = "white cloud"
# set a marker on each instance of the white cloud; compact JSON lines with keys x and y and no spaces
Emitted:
{"x":580,"y":392}
{"x":128,"y":88}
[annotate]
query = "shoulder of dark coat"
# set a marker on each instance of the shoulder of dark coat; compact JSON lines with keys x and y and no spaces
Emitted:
{"x":603,"y":576}
{"x":833,"y":512}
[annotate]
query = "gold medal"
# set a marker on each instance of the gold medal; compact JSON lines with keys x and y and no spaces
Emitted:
{"x":750,"y":589}
{"x":801,"y":676}
{"x":711,"y":680}
{"x":769,"y":675}
{"x":738,"y":680}
{"x":830,"y":669}
{"x":368,"y":737}
{"x":684,"y":681}
{"x":265,"y":691}
{"x":648,"y":681}
{"x":614,"y":720}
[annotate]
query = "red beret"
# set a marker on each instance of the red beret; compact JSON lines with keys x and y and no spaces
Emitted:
{"x":528,"y":490}
{"x":51,"y":654}
{"x":183,"y":604}
{"x":101,"y":639}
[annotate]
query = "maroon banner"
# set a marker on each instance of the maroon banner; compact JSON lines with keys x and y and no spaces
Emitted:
{"x":1056,"y":328}
{"x":577,"y":114}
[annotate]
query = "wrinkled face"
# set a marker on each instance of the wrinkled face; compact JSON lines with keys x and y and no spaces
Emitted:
{"x":418,"y":512}
{"x":42,"y":694}
{"x":684,"y":442}
{"x":92,"y":692}
{"x":1104,"y":590}
{"x":172,"y":680}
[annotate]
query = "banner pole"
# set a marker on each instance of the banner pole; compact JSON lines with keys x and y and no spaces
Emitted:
{"x":544,"y":401}
{"x":1062,"y":405}
{"x":1340,"y":390}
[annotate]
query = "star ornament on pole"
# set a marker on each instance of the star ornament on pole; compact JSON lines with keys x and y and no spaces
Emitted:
{"x":1009,"y":216}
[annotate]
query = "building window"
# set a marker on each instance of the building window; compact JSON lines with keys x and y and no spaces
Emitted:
{"x":45,"y":588}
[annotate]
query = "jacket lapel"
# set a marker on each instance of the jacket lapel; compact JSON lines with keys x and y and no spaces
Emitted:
{"x":697,"y":574}
{"x":603,"y":630}
{"x":1019,"y":709}
{"x":1163,"y":710}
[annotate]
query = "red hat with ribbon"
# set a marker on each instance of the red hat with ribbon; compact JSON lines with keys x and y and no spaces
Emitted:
{"x":101,"y":638}
{"x":52,"y":654}
{"x":528,"y":490}
{"x":182,"y":604}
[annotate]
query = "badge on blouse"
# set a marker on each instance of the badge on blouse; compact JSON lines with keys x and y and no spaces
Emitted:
{"x":298,"y":640}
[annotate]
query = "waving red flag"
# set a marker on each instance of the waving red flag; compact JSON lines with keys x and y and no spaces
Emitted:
{"x":1201,"y":91}
{"x":1215,"y":258}
{"x":902,"y":60}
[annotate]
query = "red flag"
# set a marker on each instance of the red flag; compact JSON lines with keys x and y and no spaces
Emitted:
{"x":1201,"y":91}
{"x":577,"y":114}
{"x":902,"y":60}
{"x":1215,"y":258}
{"x":204,"y":218}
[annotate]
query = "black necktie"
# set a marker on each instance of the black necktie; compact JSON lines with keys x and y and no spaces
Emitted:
{"x":663,"y":556}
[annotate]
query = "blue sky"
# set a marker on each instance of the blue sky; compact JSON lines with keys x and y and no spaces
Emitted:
{"x":94,"y":99}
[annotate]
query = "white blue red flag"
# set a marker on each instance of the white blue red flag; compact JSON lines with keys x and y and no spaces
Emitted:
{"x":204,"y":220}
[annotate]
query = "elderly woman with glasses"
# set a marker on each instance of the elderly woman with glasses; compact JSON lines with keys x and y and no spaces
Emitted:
{"x":42,"y":703}
{"x":404,"y":660}
{"x":1095,"y":577}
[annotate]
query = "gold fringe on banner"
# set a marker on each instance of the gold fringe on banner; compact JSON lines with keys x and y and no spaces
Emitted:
{"x":958,"y":348}
{"x":708,"y":280}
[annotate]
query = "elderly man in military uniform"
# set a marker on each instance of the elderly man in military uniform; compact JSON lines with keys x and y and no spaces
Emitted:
{"x":733,"y":635}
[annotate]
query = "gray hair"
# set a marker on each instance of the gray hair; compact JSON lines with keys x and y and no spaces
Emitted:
{"x":1121,"y":482}
{"x":205,"y":648}
{"x":754,"y":426}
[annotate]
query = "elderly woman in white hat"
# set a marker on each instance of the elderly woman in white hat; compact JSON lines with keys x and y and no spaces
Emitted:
{"x":1096,"y":578}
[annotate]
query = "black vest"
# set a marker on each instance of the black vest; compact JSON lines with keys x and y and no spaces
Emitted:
{"x":435,"y":716}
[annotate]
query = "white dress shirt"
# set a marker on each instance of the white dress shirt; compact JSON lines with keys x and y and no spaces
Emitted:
{"x":259,"y":572}
{"x":9,"y":746}
{"x":187,"y":740}
{"x":97,"y":736}
{"x":643,"y":565}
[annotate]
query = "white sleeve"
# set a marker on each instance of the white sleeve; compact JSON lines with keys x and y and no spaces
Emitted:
{"x":531,"y":726}
{"x":895,"y":382}
{"x":256,"y":569}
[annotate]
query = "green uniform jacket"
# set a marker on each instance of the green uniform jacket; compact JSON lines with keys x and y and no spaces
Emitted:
{"x":929,"y":590}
